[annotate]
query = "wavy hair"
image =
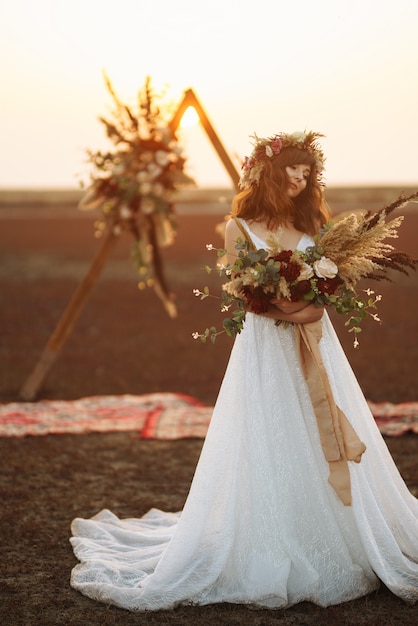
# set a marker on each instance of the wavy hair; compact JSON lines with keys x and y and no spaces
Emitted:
{"x":269,"y":202}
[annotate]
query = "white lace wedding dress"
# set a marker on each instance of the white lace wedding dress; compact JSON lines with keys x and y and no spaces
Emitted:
{"x":261,"y":524}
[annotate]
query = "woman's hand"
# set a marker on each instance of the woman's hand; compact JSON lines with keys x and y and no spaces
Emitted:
{"x":287,"y":306}
{"x":307,"y":314}
{"x":303,"y":315}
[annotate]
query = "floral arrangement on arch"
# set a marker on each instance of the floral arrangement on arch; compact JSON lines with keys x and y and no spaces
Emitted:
{"x":133,"y":184}
{"x":326,"y":273}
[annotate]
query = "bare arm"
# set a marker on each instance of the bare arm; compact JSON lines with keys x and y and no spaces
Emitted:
{"x":232,"y":233}
{"x":287,"y":306}
{"x":308,"y":313}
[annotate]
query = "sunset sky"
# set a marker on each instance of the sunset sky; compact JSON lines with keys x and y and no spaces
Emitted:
{"x":347,"y":69}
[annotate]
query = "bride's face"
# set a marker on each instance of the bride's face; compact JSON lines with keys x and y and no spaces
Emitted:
{"x":298,"y":175}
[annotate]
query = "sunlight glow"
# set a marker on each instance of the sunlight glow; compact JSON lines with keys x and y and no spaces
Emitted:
{"x":190,"y":118}
{"x":330,"y":70}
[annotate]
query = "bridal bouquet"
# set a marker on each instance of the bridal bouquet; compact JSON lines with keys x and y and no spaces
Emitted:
{"x":326,"y":273}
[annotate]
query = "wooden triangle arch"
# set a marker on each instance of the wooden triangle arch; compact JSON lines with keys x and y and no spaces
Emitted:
{"x":66,"y":323}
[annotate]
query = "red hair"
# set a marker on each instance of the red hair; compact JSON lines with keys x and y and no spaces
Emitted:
{"x":269,"y":202}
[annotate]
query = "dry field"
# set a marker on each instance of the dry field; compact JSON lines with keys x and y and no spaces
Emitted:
{"x":123,"y":342}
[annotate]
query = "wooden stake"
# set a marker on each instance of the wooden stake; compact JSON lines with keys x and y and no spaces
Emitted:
{"x":67,"y":321}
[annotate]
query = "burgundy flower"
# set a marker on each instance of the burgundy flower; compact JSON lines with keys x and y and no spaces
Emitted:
{"x":329,"y":285}
{"x":299,"y":290}
{"x":290,"y":271}
{"x":284,"y":256}
{"x":257,"y":300}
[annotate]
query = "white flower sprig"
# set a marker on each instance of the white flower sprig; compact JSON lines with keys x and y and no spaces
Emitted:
{"x":325,"y":273}
{"x":259,"y":276}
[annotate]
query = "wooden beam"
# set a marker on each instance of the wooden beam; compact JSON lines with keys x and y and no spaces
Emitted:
{"x":190,"y":99}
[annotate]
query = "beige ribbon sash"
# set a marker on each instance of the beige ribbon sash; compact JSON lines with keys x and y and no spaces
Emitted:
{"x":339,"y":440}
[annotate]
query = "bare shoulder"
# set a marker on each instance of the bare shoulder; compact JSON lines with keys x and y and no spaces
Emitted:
{"x":232,"y":234}
{"x":232,"y":230}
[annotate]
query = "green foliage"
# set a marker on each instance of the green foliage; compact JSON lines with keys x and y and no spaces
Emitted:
{"x":264,"y":270}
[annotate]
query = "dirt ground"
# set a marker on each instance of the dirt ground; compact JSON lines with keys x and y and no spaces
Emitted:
{"x":123,"y":342}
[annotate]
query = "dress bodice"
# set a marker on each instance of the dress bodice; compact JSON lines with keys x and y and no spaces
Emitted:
{"x":304,"y":241}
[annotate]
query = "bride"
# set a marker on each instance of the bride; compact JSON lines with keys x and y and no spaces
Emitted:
{"x":270,"y":519}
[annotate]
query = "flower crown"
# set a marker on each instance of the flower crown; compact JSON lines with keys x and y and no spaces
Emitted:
{"x":265,"y":148}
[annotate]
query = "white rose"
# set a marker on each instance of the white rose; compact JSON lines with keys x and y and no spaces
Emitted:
{"x":161,"y":157}
{"x":158,"y":190}
{"x":306,"y":272}
{"x":148,"y":205}
{"x":299,"y":136}
{"x":143,"y":177}
{"x":173,"y":157}
{"x":269,"y":151}
{"x":154,"y":170}
{"x":147,"y":157}
{"x":325,"y":268}
{"x":145,"y":189}
{"x":125,"y":212}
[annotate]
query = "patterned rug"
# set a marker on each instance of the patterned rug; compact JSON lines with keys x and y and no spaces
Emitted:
{"x":152,"y":416}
